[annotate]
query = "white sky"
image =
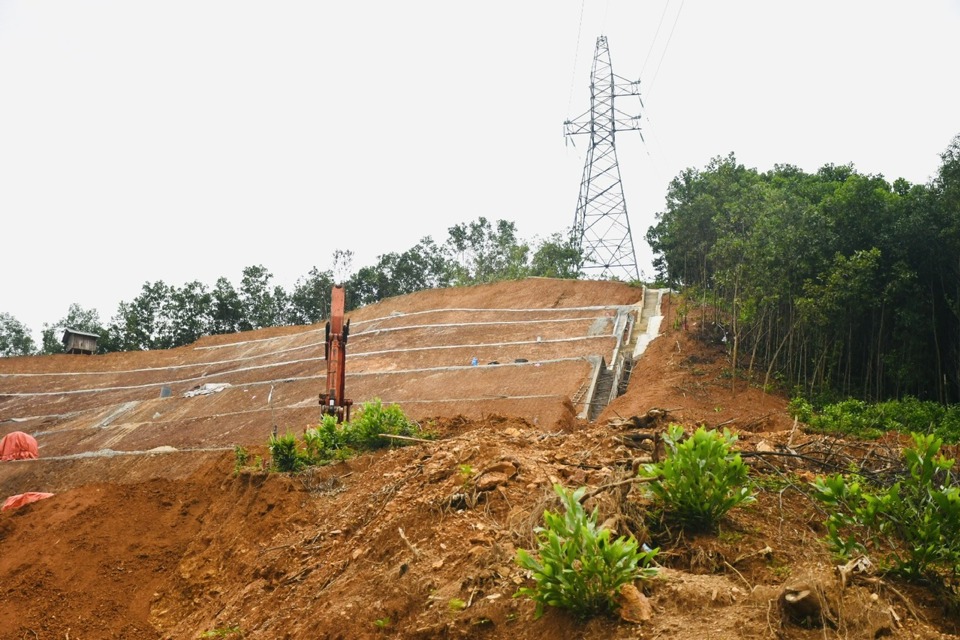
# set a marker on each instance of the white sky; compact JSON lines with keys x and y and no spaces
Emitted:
{"x":187,"y":139}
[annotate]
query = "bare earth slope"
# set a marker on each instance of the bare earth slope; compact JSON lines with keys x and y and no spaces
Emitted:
{"x":152,"y":534}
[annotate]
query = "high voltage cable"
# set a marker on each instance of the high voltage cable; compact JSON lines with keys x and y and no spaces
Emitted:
{"x":576,"y":54}
{"x":666,"y":46}
{"x":655,"y":36}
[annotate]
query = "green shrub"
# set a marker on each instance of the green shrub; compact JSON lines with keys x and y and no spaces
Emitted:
{"x":858,"y":418}
{"x":333,"y":441}
{"x":701,"y":478}
{"x":849,"y":417}
{"x":579,"y":567}
{"x":327,"y":441}
{"x":285,"y":454}
{"x":241,"y":458}
{"x":374,"y":419}
{"x":914,"y":524}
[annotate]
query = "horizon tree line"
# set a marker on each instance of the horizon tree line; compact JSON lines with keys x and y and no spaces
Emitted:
{"x":163,"y":316}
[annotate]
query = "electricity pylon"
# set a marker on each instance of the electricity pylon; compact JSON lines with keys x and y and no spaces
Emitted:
{"x":601,"y":226}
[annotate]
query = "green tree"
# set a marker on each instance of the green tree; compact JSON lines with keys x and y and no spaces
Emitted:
{"x":423,"y":266}
{"x":15,"y":338}
{"x":484,"y":253}
{"x":310,"y":299}
{"x":945,"y":204}
{"x":684,"y":237}
{"x":87,"y":320}
{"x":835,"y":280}
{"x":145,"y":323}
{"x":558,"y":256}
{"x":226,"y":308}
{"x":262,"y":307}
{"x":190,"y":311}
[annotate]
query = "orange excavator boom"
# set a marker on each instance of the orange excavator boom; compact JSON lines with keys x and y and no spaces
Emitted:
{"x":332,"y":401}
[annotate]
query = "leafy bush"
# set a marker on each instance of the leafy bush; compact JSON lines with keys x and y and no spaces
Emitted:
{"x":801,"y":409}
{"x":913,"y":524}
{"x":241,"y":456}
{"x":855,"y":417}
{"x":374,"y":419}
{"x":285,"y":454}
{"x":333,"y":441}
{"x":327,"y":441}
{"x":701,"y":479}
{"x":579,"y":567}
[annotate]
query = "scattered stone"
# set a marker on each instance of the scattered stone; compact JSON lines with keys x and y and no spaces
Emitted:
{"x":505,"y":467}
{"x":634,"y":606}
{"x":765,"y":447}
{"x":490,"y":481}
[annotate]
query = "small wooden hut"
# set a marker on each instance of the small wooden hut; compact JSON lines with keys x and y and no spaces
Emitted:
{"x":75,"y":341}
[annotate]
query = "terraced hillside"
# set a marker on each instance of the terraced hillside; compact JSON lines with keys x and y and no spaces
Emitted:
{"x":152,"y":533}
{"x":538,"y":350}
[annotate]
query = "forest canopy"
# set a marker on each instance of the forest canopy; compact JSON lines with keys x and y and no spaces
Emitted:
{"x":832,"y":282}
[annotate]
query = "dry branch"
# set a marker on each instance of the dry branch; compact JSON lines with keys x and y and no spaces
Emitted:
{"x":406,"y":438}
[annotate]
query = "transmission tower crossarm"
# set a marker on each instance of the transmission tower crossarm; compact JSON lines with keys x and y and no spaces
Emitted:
{"x":578,"y":126}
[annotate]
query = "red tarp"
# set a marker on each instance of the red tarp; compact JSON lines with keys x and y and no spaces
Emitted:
{"x":18,"y":445}
{"x":14,"y":502}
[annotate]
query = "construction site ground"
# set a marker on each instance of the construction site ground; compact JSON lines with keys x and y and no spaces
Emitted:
{"x":153,"y":532}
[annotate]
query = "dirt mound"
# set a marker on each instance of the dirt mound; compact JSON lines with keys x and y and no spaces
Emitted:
{"x":418,"y":542}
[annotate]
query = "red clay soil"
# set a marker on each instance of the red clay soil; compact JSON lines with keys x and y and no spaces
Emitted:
{"x":413,"y":542}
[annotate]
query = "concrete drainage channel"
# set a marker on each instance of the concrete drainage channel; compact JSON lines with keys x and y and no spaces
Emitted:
{"x":635,"y":327}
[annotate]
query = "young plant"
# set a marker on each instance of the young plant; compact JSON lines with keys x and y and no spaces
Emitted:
{"x":914,"y":524}
{"x":242,"y":457}
{"x":326,"y":441}
{"x":333,"y":441}
{"x":374,"y":419}
{"x":700,"y":480}
{"x":579,"y":568}
{"x":466,"y":472}
{"x":285,"y":454}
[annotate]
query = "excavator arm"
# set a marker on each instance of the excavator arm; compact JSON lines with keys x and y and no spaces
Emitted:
{"x":332,"y":401}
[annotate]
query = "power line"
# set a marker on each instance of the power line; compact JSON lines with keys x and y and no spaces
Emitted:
{"x":576,"y":55}
{"x":664,"y":53}
{"x":653,"y":42}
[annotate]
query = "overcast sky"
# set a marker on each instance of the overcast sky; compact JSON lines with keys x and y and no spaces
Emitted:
{"x":182,"y":140}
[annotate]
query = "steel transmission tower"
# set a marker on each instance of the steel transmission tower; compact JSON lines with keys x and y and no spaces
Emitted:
{"x":601,"y":225}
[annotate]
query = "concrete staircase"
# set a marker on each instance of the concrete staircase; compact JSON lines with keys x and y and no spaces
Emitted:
{"x":635,"y":331}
